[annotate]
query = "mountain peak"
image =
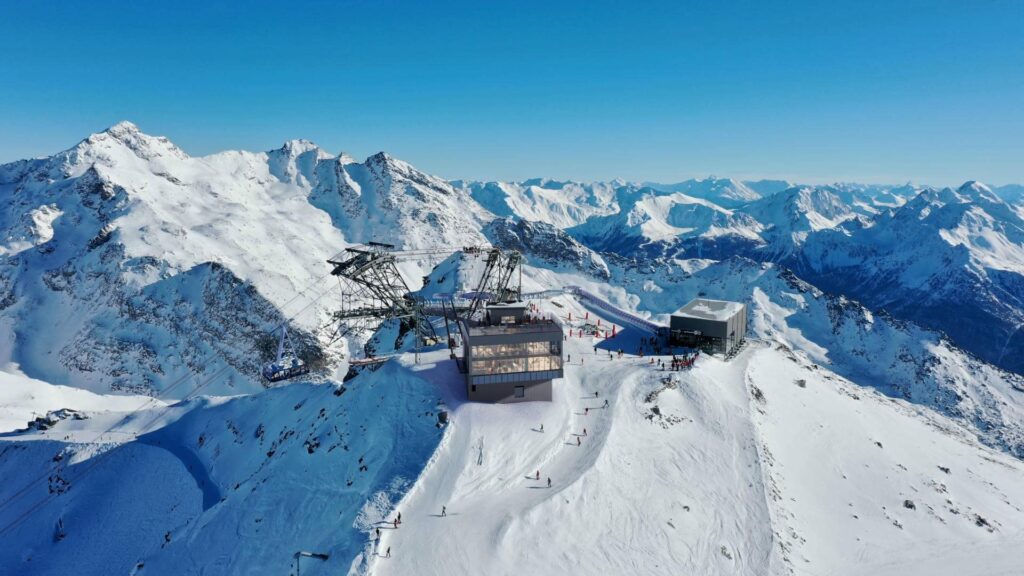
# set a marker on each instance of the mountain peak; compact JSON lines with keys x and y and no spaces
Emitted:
{"x":973,"y":185}
{"x":123,"y":128}
{"x":977,"y":191}
{"x":141,"y":144}
{"x":292,"y":149}
{"x":386,"y":163}
{"x":299,"y":145}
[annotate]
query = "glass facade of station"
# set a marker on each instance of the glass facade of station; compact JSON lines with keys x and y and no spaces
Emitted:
{"x":518,"y":364}
{"x":511,"y":356}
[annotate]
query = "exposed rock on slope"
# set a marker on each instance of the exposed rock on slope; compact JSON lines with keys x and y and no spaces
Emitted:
{"x":551,"y":246}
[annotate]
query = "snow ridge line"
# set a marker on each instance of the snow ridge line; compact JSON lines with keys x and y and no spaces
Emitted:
{"x":775,"y":513}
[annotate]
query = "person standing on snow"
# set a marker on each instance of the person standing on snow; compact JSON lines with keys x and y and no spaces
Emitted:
{"x":537,"y":477}
{"x":542,"y":427}
{"x":549,"y":482}
{"x":444,"y":511}
{"x":584,"y":431}
{"x":388,"y":553}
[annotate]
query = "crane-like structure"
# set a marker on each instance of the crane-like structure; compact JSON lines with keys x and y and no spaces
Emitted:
{"x":496,"y":280}
{"x":373,"y":291}
{"x":377,"y":292}
{"x":381,"y":292}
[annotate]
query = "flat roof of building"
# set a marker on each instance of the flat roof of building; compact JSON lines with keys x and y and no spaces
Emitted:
{"x":704,"y":309}
{"x":506,"y":305}
{"x":481,"y":329}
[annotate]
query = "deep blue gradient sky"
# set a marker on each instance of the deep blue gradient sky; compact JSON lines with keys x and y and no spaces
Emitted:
{"x":812,"y":91}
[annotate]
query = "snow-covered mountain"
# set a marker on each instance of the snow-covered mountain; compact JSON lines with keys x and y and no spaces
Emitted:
{"x":1010,"y":193}
{"x":546,"y":245}
{"x":926,"y":251}
{"x":789,"y":216}
{"x":387,"y":200}
{"x":123,"y":249}
{"x":948,"y":259}
{"x":725,"y":192}
{"x":842,"y":439}
{"x":675,"y":224}
{"x":561,"y":204}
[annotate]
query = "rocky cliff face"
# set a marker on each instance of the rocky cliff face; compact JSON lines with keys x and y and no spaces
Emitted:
{"x":544,"y":244}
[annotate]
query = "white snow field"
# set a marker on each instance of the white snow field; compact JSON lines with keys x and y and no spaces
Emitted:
{"x":23,"y":399}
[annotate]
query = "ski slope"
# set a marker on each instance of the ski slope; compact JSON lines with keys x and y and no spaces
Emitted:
{"x":740,"y":471}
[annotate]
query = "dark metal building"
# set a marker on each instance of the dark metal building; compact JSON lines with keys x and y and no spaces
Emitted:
{"x":510,"y":356}
{"x":715,"y":326}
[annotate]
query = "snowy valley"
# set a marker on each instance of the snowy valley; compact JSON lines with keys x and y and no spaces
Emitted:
{"x":873,"y":422}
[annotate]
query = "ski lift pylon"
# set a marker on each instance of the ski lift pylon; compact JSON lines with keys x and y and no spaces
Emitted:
{"x":285,"y":364}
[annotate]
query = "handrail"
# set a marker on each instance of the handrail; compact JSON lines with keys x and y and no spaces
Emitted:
{"x":626,"y":317}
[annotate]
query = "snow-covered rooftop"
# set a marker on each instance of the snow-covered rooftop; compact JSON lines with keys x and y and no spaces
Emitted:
{"x":720,"y":310}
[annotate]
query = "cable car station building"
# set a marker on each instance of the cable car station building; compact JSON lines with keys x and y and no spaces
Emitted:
{"x":510,"y":356}
{"x":715,"y":326}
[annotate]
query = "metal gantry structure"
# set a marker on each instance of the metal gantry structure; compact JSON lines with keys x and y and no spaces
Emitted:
{"x":380,"y":291}
{"x":376,"y":291}
{"x":496,"y":281}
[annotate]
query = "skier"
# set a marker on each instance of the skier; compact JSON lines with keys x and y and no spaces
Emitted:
{"x":549,"y":482}
{"x":577,"y":440}
{"x":537,"y":477}
{"x":584,"y":431}
{"x":595,"y":393}
{"x":542,"y":427}
{"x":595,"y":349}
{"x":444,"y":511}
{"x":568,"y":358}
{"x":395,"y":522}
{"x":388,"y":553}
{"x":586,"y":411}
{"x":605,"y":402}
{"x":378,"y":533}
{"x":399,"y":517}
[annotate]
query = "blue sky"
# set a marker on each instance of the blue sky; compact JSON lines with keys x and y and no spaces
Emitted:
{"x":812,"y":91}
